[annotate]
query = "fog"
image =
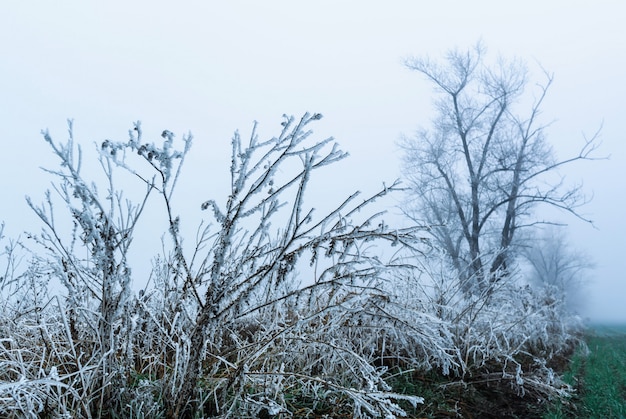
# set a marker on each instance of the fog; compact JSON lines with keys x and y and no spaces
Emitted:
{"x":210,"y":69}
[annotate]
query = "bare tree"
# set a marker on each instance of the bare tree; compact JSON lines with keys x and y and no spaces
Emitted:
{"x":485,"y":164}
{"x":558,"y":267}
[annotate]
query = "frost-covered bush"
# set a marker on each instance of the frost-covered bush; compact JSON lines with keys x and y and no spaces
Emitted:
{"x":226,"y":328}
{"x":41,"y":371}
{"x":506,"y":332}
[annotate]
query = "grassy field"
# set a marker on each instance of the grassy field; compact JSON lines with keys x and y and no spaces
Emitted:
{"x":599,"y":377}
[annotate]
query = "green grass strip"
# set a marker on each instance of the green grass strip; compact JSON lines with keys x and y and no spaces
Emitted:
{"x":599,"y":377}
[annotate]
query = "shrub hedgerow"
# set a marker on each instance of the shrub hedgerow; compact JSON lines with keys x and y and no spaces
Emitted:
{"x":225,"y":327}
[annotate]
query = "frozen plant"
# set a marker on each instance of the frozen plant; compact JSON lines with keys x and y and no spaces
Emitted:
{"x":91,"y":263}
{"x":228,"y":327}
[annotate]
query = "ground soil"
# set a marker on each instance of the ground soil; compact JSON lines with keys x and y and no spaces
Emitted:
{"x":482,"y":398}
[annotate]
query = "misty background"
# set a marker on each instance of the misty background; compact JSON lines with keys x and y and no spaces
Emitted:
{"x":212,"y":68}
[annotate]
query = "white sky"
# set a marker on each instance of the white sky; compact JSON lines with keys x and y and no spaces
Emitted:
{"x":214,"y":67}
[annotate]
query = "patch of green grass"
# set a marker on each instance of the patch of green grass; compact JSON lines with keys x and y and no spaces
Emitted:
{"x":605,"y":377}
{"x":599,"y":377}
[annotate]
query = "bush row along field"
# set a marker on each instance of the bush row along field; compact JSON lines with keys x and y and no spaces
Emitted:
{"x":225,"y":328}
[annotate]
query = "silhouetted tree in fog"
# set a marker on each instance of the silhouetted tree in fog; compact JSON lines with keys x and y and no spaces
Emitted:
{"x":558,"y":267}
{"x":485,"y":163}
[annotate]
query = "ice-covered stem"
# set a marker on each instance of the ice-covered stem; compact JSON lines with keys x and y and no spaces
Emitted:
{"x":104,"y":226}
{"x":10,"y":260}
{"x":167,"y":162}
{"x":252,"y":174}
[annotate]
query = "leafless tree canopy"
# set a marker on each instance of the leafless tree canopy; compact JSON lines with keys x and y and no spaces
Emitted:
{"x":485,"y":163}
